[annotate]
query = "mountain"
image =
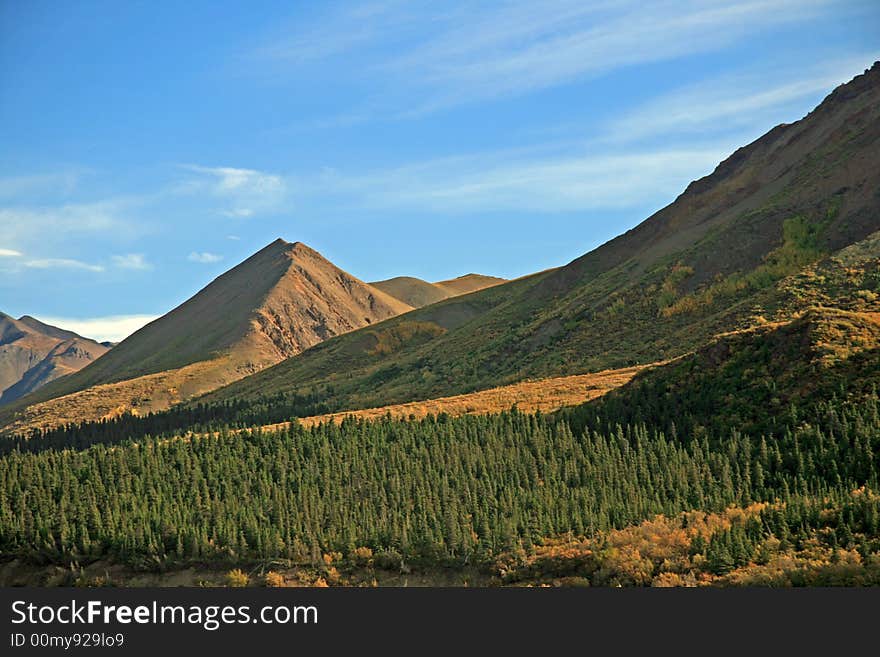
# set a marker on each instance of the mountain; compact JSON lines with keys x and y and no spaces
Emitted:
{"x":33,"y":353}
{"x":282,"y":300}
{"x":418,"y":293}
{"x":721,"y":257}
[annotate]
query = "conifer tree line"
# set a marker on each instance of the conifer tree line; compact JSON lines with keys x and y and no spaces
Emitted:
{"x":197,"y":418}
{"x":437,"y":490}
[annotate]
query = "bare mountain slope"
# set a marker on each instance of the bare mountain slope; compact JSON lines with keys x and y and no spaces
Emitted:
{"x":418,"y":293}
{"x":412,"y":291}
{"x":282,"y":300}
{"x":469,"y":283}
{"x":33,"y":353}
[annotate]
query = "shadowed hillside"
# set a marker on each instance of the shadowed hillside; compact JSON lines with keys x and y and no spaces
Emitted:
{"x":755,"y":380}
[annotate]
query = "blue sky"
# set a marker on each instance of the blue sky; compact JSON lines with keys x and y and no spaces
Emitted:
{"x":150,"y":146}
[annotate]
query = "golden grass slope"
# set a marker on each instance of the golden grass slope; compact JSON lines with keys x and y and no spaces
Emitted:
{"x":529,"y":396}
{"x":138,"y":396}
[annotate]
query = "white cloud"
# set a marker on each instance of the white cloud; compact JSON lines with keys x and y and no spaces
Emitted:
{"x":204,"y":257}
{"x":10,"y":253}
{"x":234,"y":238}
{"x":239,"y":213}
{"x":247,"y":191}
{"x":131,"y":261}
{"x":113,"y":328}
{"x":61,"y":263}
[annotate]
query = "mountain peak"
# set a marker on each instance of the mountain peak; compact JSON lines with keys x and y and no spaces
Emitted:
{"x":281,"y":300}
{"x":275,"y":246}
{"x":300,"y":247}
{"x":281,"y":246}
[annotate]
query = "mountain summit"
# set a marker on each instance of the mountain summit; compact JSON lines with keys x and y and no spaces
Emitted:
{"x":280,"y":301}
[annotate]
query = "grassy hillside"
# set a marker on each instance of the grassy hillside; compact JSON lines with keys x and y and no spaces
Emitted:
{"x":717,"y":259}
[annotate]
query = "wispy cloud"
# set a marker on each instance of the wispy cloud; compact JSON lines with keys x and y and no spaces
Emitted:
{"x":443,"y":57}
{"x":41,"y":224}
{"x":15,"y":186}
{"x":204,"y":257}
{"x":113,"y":328}
{"x":135,"y":261}
{"x":562,"y":182}
{"x":61,"y":263}
{"x":358,"y":25}
{"x":747,"y":100}
{"x":17,"y":262}
{"x":246,"y":191}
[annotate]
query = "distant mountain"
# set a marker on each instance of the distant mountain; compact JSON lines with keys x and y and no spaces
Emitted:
{"x":727,"y":254}
{"x":280,"y":301}
{"x":469,"y":283}
{"x":418,"y":293}
{"x":33,"y":353}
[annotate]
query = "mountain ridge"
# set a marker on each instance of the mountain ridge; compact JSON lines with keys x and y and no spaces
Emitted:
{"x":709,"y":262}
